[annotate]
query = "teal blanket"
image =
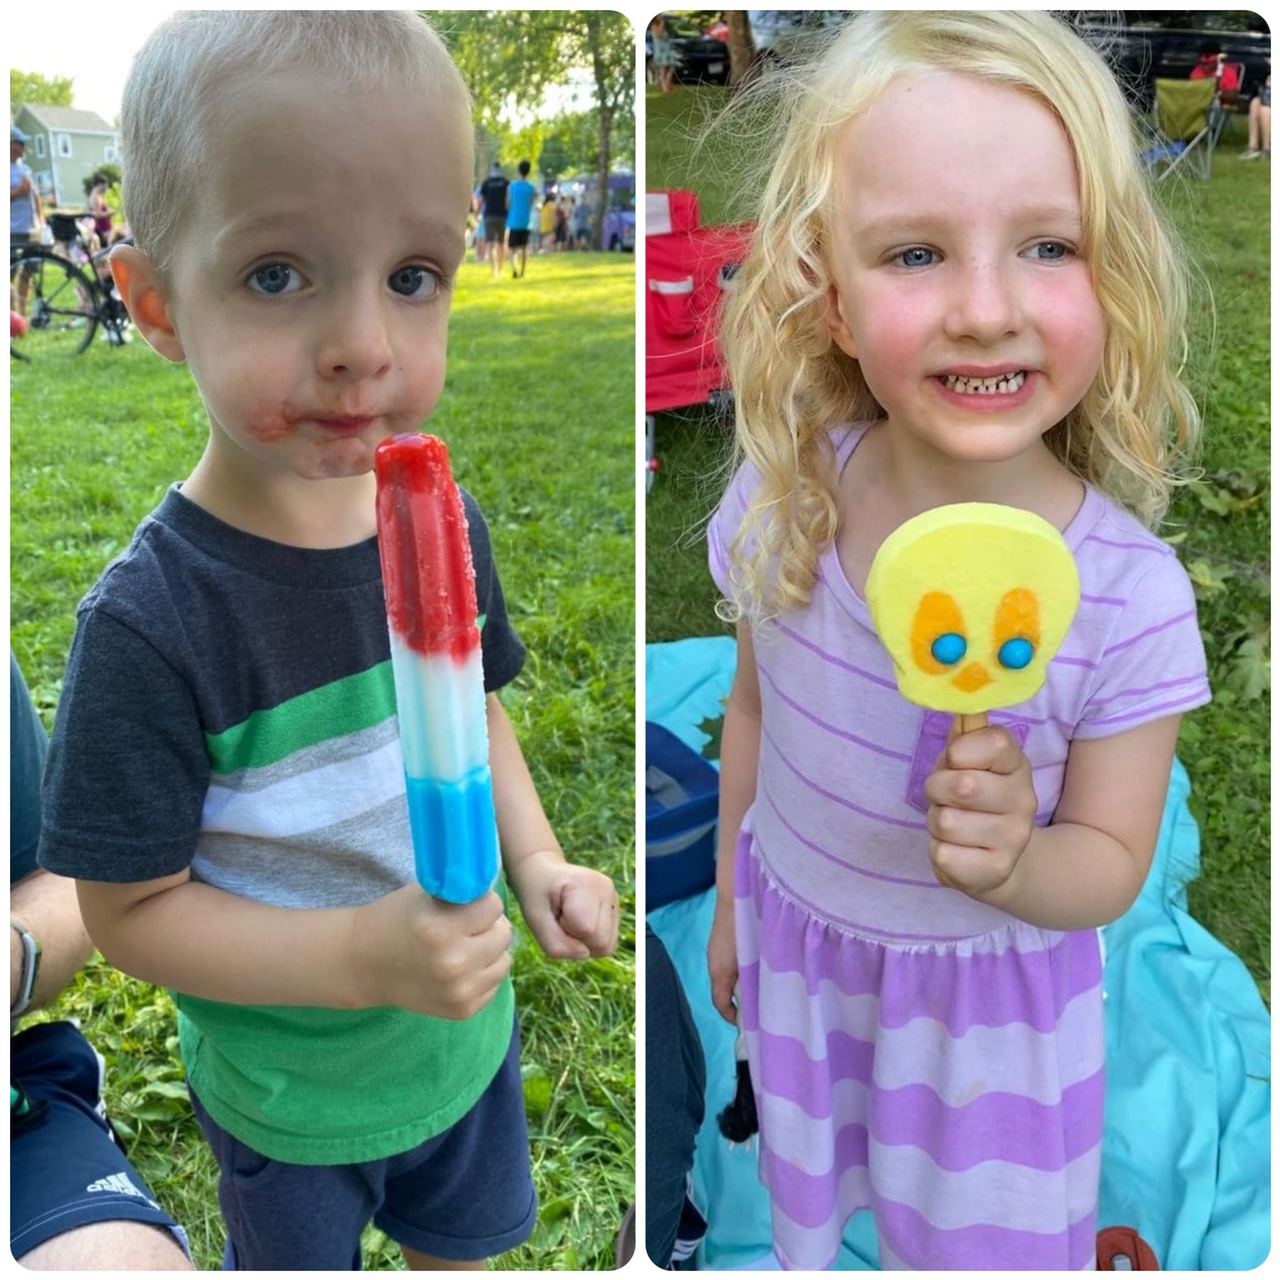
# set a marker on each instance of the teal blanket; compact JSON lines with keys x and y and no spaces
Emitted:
{"x":1186,"y":1153}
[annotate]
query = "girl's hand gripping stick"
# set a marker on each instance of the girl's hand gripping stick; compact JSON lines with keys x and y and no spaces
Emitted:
{"x":972,"y":600}
{"x":430,"y":587}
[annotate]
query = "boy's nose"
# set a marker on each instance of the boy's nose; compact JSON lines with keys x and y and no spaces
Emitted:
{"x":984,"y":306}
{"x":355,"y":341}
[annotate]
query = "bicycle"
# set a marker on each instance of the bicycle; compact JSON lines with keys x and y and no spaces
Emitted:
{"x":63,"y":304}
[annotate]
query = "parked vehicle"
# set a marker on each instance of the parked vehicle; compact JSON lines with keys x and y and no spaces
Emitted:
{"x":619,"y":214}
{"x":780,"y":34}
{"x":1152,"y":45}
{"x":700,"y":57}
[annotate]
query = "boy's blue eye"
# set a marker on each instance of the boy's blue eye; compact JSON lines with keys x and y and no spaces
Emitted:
{"x":415,"y":282}
{"x":915,"y":257}
{"x":273,"y":279}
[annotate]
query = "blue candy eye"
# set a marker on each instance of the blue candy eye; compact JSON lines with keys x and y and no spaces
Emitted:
{"x":948,"y":649}
{"x":1016,"y":654}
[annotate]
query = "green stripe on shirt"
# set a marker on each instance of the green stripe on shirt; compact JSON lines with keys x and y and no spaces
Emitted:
{"x":343,"y":707}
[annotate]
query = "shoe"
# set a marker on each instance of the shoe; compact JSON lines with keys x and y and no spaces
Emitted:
{"x":1123,"y":1249}
{"x":1250,"y":155}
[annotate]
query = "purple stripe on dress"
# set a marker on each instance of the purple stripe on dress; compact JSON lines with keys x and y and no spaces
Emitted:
{"x":959,"y":990}
{"x":924,"y":1247}
{"x":1128,"y":546}
{"x":823,"y":724}
{"x":1150,"y":631}
{"x":840,"y":862}
{"x":994,"y":1126}
{"x":806,"y":1198}
{"x":837,"y":662}
{"x":1149,"y":712}
{"x":840,"y":800}
{"x":1198,"y":678}
{"x":1116,"y":600}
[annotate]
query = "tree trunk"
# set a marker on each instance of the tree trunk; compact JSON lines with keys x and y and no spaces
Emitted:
{"x":604,"y":111}
{"x":742,"y":47}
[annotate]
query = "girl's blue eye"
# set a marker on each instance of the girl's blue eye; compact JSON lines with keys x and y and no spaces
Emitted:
{"x":1057,"y":251}
{"x":273,"y":279}
{"x":916,"y":257}
{"x":415,"y":282}
{"x":1016,"y":653}
{"x":948,"y":649}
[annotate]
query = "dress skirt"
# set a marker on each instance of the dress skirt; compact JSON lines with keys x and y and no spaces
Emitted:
{"x":955,"y":1089}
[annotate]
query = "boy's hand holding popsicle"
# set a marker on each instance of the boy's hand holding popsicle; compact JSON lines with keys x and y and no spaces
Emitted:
{"x":972,"y":600}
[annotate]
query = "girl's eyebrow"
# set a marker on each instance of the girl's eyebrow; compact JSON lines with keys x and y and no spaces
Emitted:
{"x":894,"y":226}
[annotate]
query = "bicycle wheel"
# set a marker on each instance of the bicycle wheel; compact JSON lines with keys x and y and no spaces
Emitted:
{"x":59,"y":301}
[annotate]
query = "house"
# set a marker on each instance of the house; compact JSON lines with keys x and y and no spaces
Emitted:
{"x":67,"y":146}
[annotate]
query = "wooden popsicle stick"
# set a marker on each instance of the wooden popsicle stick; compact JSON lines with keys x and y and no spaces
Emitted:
{"x":969,"y":723}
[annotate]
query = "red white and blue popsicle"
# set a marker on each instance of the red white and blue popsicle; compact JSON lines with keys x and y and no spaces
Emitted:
{"x":430,"y":586}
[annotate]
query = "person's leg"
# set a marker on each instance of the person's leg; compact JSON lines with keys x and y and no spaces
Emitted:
{"x":1264,"y":127}
{"x":1255,"y":117}
{"x":109,"y":1246}
{"x":425,"y":1262}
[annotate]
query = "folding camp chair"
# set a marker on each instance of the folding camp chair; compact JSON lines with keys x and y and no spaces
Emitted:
{"x":1187,"y":122}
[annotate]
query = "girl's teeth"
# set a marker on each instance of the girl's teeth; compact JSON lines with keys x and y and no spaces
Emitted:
{"x":1003,"y":386}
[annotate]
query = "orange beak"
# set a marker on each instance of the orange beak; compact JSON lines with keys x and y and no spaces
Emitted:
{"x":972,"y":678}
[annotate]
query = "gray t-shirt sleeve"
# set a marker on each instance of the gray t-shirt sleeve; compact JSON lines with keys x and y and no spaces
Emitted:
{"x":128,"y":768}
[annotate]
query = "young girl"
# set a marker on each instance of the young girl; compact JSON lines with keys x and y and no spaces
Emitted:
{"x":959,"y":290}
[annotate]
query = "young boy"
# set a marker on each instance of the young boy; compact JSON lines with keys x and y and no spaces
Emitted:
{"x":224,"y":780}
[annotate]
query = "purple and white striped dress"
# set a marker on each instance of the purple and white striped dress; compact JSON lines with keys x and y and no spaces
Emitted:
{"x":915,"y":1052}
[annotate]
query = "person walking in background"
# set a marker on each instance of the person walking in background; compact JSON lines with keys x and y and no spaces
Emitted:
{"x":547,"y":224}
{"x":562,"y":223}
{"x":493,"y":212}
{"x":519,"y":211}
{"x":25,"y":219}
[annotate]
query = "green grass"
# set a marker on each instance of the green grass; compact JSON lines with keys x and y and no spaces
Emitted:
{"x":1221,"y":526}
{"x":538,"y":411}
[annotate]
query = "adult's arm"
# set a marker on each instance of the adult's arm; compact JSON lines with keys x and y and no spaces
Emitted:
{"x":45,"y":905}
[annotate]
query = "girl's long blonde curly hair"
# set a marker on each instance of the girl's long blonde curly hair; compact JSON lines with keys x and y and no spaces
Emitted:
{"x":792,"y":384}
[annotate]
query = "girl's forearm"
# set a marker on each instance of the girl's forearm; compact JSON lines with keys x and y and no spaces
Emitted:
{"x":1069,"y":877}
{"x":739,"y":760}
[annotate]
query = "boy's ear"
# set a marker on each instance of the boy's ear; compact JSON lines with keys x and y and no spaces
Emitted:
{"x":841,"y":334}
{"x":144,"y":297}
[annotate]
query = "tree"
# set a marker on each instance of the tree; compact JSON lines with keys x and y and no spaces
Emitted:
{"x":512,"y":57}
{"x":742,"y":46}
{"x":30,"y":86}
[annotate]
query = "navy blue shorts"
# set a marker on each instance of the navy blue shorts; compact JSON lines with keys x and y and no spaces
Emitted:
{"x":66,"y":1170}
{"x":464,"y":1195}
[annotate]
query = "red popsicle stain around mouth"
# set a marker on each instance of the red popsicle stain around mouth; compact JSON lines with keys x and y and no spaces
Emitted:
{"x":427,"y":573}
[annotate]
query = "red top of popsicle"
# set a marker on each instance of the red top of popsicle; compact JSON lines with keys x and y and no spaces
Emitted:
{"x":427,"y":573}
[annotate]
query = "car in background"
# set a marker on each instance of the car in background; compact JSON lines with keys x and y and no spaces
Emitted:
{"x":700,"y":57}
{"x":780,"y":35}
{"x":619,"y":214}
{"x":1144,"y":45}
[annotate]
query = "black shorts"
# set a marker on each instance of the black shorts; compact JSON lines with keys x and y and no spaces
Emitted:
{"x":517,"y":239}
{"x":493,"y":229}
{"x":465,"y":1194}
{"x":65,"y":1170}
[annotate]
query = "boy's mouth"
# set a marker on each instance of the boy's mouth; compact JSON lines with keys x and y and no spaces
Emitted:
{"x":348,"y":425}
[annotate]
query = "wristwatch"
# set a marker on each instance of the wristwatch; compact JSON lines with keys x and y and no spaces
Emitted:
{"x":30,"y":970}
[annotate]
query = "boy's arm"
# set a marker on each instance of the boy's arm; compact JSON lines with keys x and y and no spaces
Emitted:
{"x":571,"y":910}
{"x":405,"y":949}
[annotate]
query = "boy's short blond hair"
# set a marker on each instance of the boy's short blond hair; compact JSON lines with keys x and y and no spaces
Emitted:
{"x":173,"y":93}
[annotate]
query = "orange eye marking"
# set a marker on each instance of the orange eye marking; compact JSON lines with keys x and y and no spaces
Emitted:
{"x":1018,"y":615}
{"x":937,"y":614}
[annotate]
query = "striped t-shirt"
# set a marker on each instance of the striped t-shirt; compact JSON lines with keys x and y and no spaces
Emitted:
{"x":839,"y":810}
{"x":229,"y":706}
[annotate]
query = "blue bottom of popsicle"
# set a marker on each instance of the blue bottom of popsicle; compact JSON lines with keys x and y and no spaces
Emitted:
{"x":455,"y":837}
